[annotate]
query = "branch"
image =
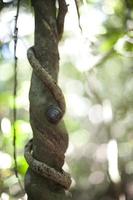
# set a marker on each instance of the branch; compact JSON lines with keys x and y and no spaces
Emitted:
{"x":63,"y":8}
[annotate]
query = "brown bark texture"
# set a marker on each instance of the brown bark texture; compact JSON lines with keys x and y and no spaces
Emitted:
{"x":45,"y":179}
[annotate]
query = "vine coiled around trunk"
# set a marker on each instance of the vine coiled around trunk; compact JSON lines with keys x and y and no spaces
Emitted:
{"x":41,"y":168}
{"x":45,"y":152}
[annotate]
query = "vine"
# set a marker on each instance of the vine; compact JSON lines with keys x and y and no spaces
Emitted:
{"x":15,"y":94}
{"x":45,"y":178}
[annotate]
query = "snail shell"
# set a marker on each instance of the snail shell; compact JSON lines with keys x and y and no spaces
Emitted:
{"x":54,"y":114}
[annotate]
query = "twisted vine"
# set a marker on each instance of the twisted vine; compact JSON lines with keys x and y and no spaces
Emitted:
{"x":46,"y":171}
{"x":40,"y":167}
{"x":45,"y":178}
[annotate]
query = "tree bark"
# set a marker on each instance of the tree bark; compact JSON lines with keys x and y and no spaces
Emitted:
{"x":45,"y":179}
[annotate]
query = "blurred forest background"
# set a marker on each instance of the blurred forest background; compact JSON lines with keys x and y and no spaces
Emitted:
{"x":96,"y":75}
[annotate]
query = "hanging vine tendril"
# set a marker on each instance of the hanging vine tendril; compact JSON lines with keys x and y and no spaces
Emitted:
{"x":15,"y":94}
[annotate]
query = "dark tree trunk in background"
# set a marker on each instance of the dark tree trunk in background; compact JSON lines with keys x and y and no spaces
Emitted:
{"x":50,"y":138}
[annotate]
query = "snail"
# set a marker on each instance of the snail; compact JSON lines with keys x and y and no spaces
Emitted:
{"x":54,"y":114}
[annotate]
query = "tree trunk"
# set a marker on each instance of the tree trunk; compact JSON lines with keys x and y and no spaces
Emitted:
{"x":45,"y":179}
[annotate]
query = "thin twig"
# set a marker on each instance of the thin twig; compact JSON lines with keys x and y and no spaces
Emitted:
{"x":15,"y":95}
{"x":77,"y":8}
